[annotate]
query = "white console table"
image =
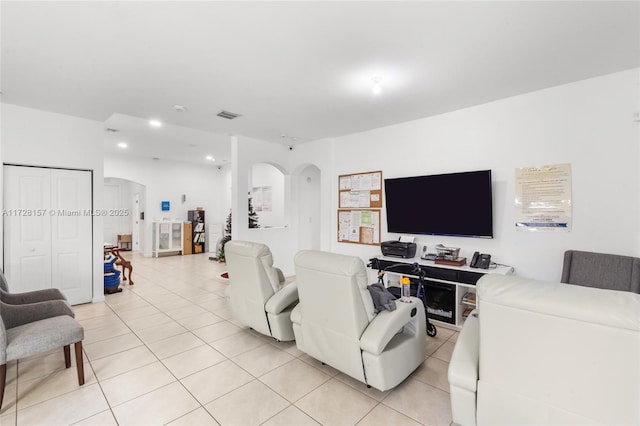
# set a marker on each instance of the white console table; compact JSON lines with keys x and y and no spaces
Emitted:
{"x":459,"y":280}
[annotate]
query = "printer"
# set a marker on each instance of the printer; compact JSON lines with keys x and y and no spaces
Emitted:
{"x":396,"y":248}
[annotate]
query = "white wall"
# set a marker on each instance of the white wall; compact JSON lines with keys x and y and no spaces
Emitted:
{"x":588,"y":124}
{"x":166,"y":180}
{"x":40,"y":138}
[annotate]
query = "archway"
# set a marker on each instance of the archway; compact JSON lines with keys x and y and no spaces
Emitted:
{"x":126,"y":200}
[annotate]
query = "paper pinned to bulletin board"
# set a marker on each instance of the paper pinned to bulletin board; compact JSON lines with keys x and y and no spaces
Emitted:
{"x":543,"y":198}
{"x":359,"y":226}
{"x":360,"y":190}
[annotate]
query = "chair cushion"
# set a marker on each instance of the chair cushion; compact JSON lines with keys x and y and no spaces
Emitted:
{"x":41,"y":336}
{"x":332,"y":268}
{"x":255,"y":254}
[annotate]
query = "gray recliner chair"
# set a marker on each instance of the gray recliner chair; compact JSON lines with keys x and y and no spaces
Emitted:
{"x":335,"y":322}
{"x":601,"y":270}
{"x":257,"y":292}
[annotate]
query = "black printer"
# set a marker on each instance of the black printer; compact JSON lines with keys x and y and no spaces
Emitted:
{"x":398,"y":249}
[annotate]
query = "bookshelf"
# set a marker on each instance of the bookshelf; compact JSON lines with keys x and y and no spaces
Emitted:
{"x":198,"y":235}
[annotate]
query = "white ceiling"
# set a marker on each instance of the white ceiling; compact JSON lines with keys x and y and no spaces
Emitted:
{"x":298,"y":69}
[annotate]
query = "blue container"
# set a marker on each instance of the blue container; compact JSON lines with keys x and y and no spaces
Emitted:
{"x":112,"y":278}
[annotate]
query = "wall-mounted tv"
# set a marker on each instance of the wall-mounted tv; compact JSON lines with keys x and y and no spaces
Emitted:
{"x":456,"y":204}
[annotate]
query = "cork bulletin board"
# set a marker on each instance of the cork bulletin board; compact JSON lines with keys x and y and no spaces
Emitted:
{"x":359,"y":226}
{"x":360,"y":191}
{"x":359,"y":204}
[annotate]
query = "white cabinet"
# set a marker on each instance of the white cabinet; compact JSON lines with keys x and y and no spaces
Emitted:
{"x":450,"y":290}
{"x":167,"y":237}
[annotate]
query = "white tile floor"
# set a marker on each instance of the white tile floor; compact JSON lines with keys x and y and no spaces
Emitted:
{"x":166,"y":351}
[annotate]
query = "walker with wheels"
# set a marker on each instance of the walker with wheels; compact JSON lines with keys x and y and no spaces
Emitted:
{"x":420,"y":291}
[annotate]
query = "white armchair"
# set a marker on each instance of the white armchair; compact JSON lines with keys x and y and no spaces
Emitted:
{"x":542,"y":353}
{"x":335,"y":323}
{"x":257,"y":292}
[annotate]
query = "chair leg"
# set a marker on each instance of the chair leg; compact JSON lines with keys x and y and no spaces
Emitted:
{"x":130,"y":272}
{"x":126,"y":266}
{"x":3,"y":377}
{"x":67,"y":356}
{"x":79,"y":362}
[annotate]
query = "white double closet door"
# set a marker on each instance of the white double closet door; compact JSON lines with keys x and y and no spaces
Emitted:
{"x":48,"y":230}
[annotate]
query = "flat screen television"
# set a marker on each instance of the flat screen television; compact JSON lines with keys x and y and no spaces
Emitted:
{"x":455,"y":204}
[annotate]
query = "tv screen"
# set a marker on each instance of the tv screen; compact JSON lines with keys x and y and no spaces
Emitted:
{"x":457,"y":204}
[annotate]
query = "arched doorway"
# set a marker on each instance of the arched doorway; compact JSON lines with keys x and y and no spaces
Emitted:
{"x":125,"y":199}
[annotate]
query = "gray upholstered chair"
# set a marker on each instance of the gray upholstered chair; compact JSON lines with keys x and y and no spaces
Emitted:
{"x":335,"y":322}
{"x":258,"y":294}
{"x":601,"y":270}
{"x":29,"y":329}
{"x":29,"y":296}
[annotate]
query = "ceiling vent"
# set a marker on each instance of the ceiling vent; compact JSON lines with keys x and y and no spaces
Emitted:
{"x":228,"y":115}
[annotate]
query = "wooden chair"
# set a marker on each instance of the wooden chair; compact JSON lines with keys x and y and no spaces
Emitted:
{"x":125,"y":264}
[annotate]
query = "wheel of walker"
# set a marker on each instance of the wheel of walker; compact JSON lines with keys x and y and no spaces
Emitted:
{"x":431,"y":330}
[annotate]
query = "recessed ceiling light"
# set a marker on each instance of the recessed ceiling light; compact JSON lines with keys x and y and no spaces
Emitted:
{"x":376,"y":89}
{"x":155,"y":123}
{"x":210,"y":158}
{"x":122,"y":145}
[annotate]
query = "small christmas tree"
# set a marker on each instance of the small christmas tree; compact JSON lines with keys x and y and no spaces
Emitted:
{"x":225,"y":239}
{"x":253,"y":216}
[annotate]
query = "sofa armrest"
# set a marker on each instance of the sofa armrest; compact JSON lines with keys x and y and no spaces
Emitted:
{"x":296,"y":315}
{"x":287,"y":296}
{"x":387,"y":324}
{"x":464,"y":367}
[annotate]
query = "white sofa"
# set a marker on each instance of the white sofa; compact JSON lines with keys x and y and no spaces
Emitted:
{"x":547,"y":353}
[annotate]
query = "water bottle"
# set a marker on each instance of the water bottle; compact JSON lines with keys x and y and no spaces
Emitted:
{"x":406,"y":289}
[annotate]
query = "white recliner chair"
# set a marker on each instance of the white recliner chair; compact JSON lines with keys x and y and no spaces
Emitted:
{"x":538,"y":353}
{"x":257,"y":292}
{"x":335,"y":323}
